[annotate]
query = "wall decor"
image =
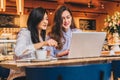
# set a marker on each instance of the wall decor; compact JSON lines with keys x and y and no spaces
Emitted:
{"x":87,"y":24}
{"x":7,"y":20}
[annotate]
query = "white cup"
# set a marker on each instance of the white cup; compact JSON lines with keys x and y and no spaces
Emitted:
{"x":41,"y":54}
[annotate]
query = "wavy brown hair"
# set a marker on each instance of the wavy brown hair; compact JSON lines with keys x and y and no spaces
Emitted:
{"x":56,"y":31}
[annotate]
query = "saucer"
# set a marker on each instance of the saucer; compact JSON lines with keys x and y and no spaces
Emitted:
{"x":23,"y":60}
{"x":41,"y":60}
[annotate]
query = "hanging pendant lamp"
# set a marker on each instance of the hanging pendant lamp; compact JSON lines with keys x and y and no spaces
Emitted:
{"x":20,"y":7}
{"x":2,"y":5}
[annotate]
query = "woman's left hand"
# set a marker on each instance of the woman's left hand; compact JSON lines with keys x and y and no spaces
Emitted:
{"x":64,"y":53}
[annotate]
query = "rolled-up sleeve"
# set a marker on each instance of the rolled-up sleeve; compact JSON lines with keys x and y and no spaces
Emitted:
{"x":51,"y":49}
{"x":23,"y":44}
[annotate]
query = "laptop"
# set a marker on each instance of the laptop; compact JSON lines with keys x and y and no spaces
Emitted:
{"x":86,"y":44}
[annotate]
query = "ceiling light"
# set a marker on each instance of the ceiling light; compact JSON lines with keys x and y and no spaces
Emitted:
{"x":2,"y":5}
{"x":90,"y":3}
{"x":51,"y":13}
{"x":102,"y":5}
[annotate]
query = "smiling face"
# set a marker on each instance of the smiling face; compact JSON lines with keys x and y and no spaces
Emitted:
{"x":44,"y":23}
{"x":67,"y":19}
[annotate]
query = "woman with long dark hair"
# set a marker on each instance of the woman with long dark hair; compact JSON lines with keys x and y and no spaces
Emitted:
{"x":31,"y":38}
{"x":63,"y":26}
{"x":34,"y":36}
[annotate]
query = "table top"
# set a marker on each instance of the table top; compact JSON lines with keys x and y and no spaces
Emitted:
{"x":111,"y":44}
{"x":104,"y":58}
{"x":80,"y":61}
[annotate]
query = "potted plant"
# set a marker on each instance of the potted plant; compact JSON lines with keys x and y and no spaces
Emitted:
{"x":112,"y":25}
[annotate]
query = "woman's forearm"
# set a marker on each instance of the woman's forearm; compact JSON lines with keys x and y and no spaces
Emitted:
{"x":40,"y":45}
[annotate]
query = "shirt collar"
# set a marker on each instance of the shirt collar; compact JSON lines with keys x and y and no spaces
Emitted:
{"x":68,"y":33}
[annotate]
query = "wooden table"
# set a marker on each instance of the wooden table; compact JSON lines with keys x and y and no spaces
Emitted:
{"x":97,"y":61}
{"x":81,"y":61}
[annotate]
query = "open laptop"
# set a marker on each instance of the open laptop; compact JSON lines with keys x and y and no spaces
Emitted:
{"x":86,"y":44}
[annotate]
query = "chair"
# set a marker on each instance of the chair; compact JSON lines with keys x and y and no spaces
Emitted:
{"x":77,"y":72}
{"x":20,"y":78}
{"x":4,"y":72}
{"x":116,"y":69}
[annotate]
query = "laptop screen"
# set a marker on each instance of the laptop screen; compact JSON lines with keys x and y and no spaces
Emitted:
{"x":86,"y":44}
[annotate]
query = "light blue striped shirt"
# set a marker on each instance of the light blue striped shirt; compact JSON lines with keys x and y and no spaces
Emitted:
{"x":66,"y":46}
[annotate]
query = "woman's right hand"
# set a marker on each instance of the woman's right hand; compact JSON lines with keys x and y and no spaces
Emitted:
{"x":52,"y":42}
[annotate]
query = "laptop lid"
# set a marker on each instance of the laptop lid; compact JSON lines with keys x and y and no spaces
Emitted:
{"x":86,"y":44}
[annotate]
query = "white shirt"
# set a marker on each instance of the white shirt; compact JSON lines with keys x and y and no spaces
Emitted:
{"x":24,"y":44}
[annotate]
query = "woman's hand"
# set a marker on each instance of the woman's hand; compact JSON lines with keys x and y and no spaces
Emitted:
{"x":64,"y":53}
{"x":52,"y":42}
{"x":49,"y":42}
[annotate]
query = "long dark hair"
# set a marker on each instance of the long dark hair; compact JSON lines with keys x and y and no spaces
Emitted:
{"x":56,"y":32}
{"x":34,"y":19}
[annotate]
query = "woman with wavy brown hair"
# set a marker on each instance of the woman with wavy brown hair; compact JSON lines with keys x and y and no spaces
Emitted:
{"x":63,"y":26}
